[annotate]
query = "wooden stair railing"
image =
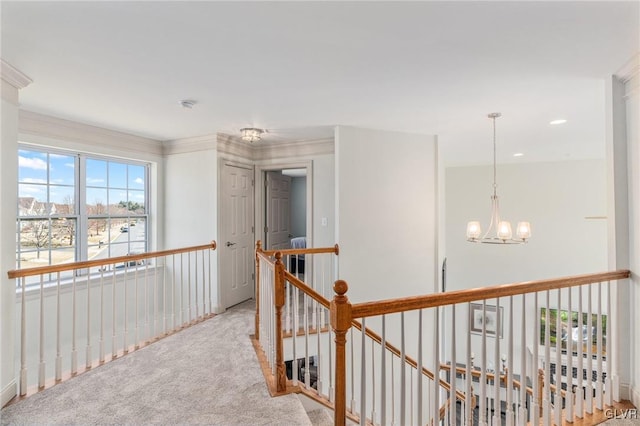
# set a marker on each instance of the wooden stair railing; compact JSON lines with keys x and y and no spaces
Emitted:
{"x":343,"y":314}
{"x":282,"y":275}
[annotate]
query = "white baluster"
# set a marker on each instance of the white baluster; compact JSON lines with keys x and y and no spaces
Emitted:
{"x":453,"y":410}
{"x":126,"y":326}
{"x":173,"y":292}
{"x":181,"y":290}
{"x":352,"y":369}
{"x":204,"y":281}
{"x":74,"y":353}
{"x":102,"y":314}
{"x":599,"y":389}
{"x":589,"y":401}
{"x":522,"y":412}
{"x":195,"y":284}
{"x":296,"y":327}
{"x":147,"y":323}
{"x":307,"y":376}
{"x":509,"y":373}
{"x":483,"y":370}
{"x":363,"y":376}
{"x":610,"y":389}
{"x":546,"y":404}
{"x":190,"y":318}
{"x":209,"y":271}
{"x":88,"y":353}
{"x":403,"y":379}
{"x":114,"y":348}
{"x":136,"y":342}
{"x":373,"y":383}
{"x":557,"y":402}
{"x":393,"y":396}
{"x":535,"y":410}
{"x":419,"y":365}
{"x":23,"y":339}
{"x":496,"y":370}
{"x":436,"y":370}
{"x":383,"y":375}
{"x":318,"y":370}
{"x":569,"y":399}
{"x":468,"y":373}
{"x":41,"y":367}
{"x":579,"y":412}
{"x":156,"y":295}
{"x":58,"y":317}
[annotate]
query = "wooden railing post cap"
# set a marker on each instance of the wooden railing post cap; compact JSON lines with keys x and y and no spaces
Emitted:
{"x":278,"y":256}
{"x":340,"y":287}
{"x":259,"y":245}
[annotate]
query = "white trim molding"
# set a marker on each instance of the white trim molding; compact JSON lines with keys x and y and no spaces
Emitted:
{"x":45,"y":128}
{"x":230,"y":145}
{"x":14,"y":76}
{"x":8,"y":393}
{"x":635,"y":395}
{"x":294,"y":149}
{"x":629,"y":74}
{"x":194,"y":144}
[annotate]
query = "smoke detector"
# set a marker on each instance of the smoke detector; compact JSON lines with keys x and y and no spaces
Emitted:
{"x":187,"y":103}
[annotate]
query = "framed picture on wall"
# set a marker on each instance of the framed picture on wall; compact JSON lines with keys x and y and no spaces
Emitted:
{"x":487,"y":318}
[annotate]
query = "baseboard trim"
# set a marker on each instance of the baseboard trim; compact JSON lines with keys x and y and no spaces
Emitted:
{"x":635,"y":396}
{"x":8,"y":393}
{"x":217,"y":309}
{"x":625,"y":392}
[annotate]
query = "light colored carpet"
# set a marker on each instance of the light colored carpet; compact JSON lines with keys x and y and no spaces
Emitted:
{"x":206,"y":374}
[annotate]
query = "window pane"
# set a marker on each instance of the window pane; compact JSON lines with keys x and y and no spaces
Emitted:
{"x":136,"y":177}
{"x":62,"y":169}
{"x":62,"y":200}
{"x":96,"y":173}
{"x":137,"y":230}
{"x":117,"y":175}
{"x":32,"y":200}
{"x":63,"y":234}
{"x":135,"y":205}
{"x":34,"y":235}
{"x":96,"y":201}
{"x":32,"y":166}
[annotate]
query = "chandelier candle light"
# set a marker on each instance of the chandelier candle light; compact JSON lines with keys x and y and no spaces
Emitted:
{"x":499,"y":231}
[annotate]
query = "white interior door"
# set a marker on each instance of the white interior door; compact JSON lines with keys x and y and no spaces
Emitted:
{"x":236,"y":246}
{"x":278,"y":211}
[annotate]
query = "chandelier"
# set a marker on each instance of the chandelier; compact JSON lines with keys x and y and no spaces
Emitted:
{"x":499,"y":231}
{"x":251,"y":134}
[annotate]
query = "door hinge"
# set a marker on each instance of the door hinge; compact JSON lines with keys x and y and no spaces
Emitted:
{"x":253,"y":276}
{"x":252,"y":230}
{"x":253,"y":182}
{"x":266,"y":182}
{"x":266,"y":229}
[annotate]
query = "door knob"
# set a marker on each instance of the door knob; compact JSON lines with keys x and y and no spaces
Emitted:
{"x":229,"y":244}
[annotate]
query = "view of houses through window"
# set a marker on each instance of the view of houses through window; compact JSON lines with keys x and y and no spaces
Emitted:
{"x":74,"y":207}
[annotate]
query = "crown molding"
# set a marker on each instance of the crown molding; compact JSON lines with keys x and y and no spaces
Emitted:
{"x":14,"y":76}
{"x":231,"y":145}
{"x":48,"y":129}
{"x":312,"y":147}
{"x":193,"y":144}
{"x":629,"y":74}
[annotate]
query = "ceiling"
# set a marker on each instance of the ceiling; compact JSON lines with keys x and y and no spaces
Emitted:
{"x":300,"y":68}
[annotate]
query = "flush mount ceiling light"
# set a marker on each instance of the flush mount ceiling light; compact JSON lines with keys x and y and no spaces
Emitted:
{"x":556,"y":122}
{"x":499,"y":231}
{"x":251,"y":134}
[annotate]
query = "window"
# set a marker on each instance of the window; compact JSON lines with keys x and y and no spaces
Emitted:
{"x":79,"y":207}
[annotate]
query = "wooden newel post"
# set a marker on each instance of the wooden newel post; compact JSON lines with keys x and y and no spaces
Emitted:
{"x":341,"y":323}
{"x":258,"y":250}
{"x":281,"y":377}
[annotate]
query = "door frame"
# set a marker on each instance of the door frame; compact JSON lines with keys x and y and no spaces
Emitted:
{"x":222,"y":161}
{"x":259,"y":203}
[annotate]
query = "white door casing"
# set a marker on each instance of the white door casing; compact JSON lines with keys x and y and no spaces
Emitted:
{"x":278,"y":211}
{"x":237,"y":242}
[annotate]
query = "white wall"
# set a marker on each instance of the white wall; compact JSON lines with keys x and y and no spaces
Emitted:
{"x":8,"y":188}
{"x":555,"y":198}
{"x":191,"y":208}
{"x":386,"y":192}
